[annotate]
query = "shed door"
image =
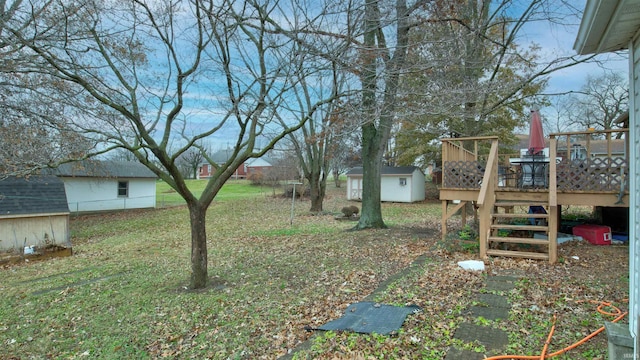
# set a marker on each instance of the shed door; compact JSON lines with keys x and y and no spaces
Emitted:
{"x":356,"y":188}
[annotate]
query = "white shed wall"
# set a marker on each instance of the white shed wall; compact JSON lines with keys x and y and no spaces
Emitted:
{"x":29,"y":230}
{"x":90,"y":194}
{"x":391,"y":190}
{"x":417,"y":186}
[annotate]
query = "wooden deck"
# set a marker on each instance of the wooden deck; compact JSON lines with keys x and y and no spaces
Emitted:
{"x":581,"y":168}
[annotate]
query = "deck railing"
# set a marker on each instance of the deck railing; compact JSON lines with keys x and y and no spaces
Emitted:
{"x":587,"y":161}
{"x":593,"y":161}
{"x":464,"y":161}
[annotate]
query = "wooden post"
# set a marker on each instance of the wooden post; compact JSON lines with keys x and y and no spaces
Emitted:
{"x":552,"y":234}
{"x":443,"y":223}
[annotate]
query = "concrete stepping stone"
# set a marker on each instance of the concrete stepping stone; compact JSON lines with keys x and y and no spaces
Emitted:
{"x":490,"y":307}
{"x":490,"y":338}
{"x":493,"y":300}
{"x":500,"y":283}
{"x":489,"y":313}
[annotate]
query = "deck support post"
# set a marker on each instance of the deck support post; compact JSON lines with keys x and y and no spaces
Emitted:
{"x":446,"y":214}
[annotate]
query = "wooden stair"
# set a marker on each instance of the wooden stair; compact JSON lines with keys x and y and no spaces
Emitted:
{"x":502,"y":221}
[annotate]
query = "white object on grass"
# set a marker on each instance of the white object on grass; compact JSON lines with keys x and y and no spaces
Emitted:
{"x":473,"y":265}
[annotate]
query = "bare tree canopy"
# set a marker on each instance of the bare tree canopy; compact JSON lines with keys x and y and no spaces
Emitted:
{"x":159,"y":77}
{"x":472,"y":73}
{"x":600,"y":102}
{"x":33,"y":133}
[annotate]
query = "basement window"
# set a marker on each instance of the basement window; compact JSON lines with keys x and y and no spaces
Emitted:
{"x":403,"y":181}
{"x":123,"y":189}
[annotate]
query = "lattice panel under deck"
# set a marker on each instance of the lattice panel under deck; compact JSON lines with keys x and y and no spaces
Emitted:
{"x":596,"y":174}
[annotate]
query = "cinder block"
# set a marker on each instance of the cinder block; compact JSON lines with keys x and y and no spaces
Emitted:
{"x":620,"y":342}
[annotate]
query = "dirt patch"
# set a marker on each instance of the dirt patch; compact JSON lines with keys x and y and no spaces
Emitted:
{"x":39,"y":253}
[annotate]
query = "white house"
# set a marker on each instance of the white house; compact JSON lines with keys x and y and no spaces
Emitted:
{"x":397,"y":184}
{"x":33,"y":212}
{"x":94,"y":185}
{"x":611,"y":25}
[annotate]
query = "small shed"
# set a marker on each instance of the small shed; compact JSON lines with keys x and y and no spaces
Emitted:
{"x":33,"y":212}
{"x":96,"y":185}
{"x":397,"y":184}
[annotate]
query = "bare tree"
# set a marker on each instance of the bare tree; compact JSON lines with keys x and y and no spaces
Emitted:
{"x":189,"y":162}
{"x":382,"y":63}
{"x":121,"y":155}
{"x":311,"y":144}
{"x":472,"y":67}
{"x":143,"y":75}
{"x":343,"y":142}
{"x":600,"y":101}
{"x":33,"y":134}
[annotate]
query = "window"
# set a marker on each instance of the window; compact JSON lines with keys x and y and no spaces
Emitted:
{"x":403,"y":181}
{"x":123,"y":188}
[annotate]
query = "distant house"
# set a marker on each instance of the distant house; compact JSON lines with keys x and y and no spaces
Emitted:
{"x":258,"y":166}
{"x":33,"y":212}
{"x":578,"y":149}
{"x":94,"y":185}
{"x":206,"y":170}
{"x":398,"y":184}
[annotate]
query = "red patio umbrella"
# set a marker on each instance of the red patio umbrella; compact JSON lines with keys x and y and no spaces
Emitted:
{"x":536,"y":135}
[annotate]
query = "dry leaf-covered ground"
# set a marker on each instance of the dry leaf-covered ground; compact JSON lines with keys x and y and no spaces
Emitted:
{"x":122,"y":294}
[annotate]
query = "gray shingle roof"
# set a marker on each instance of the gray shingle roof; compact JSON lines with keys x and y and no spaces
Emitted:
{"x":33,"y":195}
{"x":387,"y":170}
{"x":104,"y":169}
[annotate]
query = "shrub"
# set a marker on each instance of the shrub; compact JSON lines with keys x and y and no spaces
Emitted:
{"x":350,"y":211}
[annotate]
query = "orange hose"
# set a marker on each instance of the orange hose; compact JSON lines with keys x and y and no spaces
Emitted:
{"x":543,"y":355}
{"x":546,"y":343}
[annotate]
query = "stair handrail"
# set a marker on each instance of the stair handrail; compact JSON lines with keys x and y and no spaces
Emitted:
{"x":487,"y":198}
{"x":489,"y":179}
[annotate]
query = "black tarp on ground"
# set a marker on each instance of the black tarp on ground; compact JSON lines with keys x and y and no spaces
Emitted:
{"x":370,"y":317}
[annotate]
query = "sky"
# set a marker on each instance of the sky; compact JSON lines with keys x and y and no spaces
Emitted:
{"x":555,"y":40}
{"x":559,"y":40}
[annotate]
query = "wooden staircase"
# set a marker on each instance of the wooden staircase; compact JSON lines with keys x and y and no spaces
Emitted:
{"x":519,"y":240}
{"x":497,"y":210}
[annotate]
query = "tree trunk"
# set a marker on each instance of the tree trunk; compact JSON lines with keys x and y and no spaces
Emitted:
{"x":317,"y":185}
{"x":197,"y":217}
{"x":371,"y":213}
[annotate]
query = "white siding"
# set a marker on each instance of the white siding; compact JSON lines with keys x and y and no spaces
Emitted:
{"x":634,"y":194}
{"x":417,"y":189}
{"x":90,"y":194}
{"x":28,"y":230}
{"x":391,"y":190}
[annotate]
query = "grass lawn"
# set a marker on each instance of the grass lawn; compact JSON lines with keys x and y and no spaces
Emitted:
{"x":122,"y":294}
{"x":232,"y":190}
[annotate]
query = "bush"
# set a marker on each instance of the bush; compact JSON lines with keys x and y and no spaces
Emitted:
{"x":350,"y":211}
{"x":256,"y":178}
